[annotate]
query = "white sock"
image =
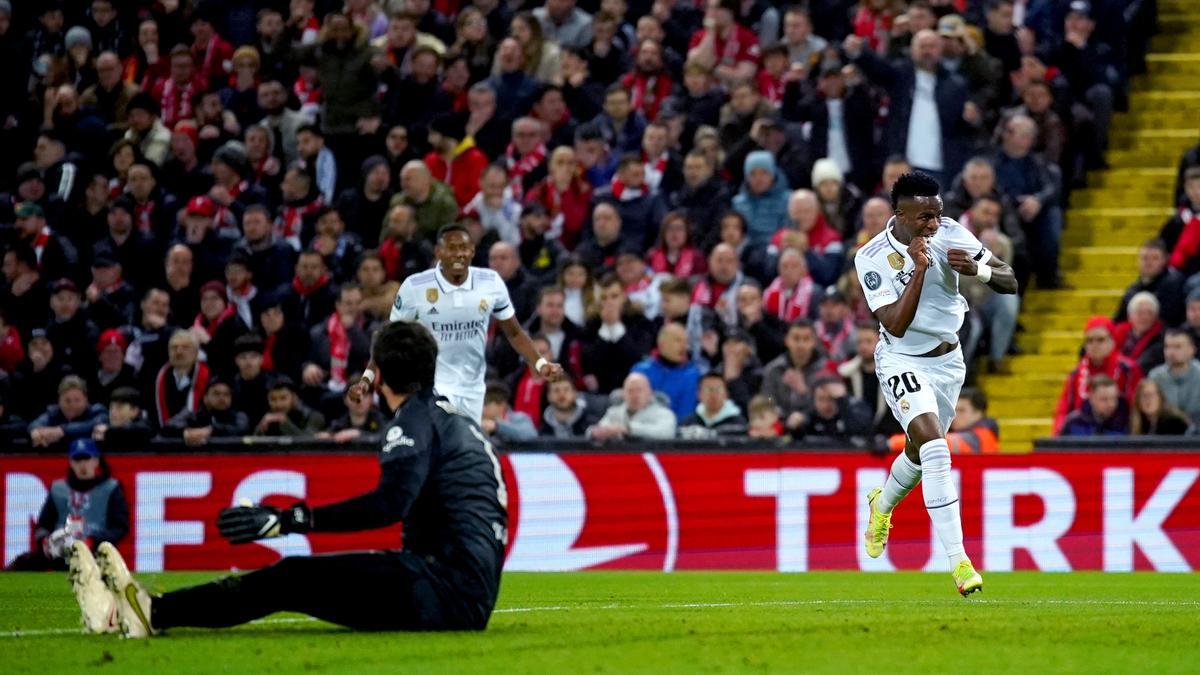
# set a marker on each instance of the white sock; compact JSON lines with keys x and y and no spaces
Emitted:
{"x":941,"y":498}
{"x":901,"y":480}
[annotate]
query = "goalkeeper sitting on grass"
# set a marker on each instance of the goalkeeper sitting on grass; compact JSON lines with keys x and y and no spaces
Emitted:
{"x":439,"y":476}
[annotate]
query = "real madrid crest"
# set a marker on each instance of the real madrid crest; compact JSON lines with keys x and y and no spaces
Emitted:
{"x":904,"y":407}
{"x":483,"y":306}
{"x":431,"y":294}
{"x":896,"y":260}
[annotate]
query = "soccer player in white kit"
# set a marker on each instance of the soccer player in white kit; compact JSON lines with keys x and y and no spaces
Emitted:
{"x":909,"y":274}
{"x":456,"y":302}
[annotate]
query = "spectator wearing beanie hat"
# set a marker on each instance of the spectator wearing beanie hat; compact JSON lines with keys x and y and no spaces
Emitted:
{"x":763,"y":198}
{"x":250,"y":381}
{"x":111,"y":373}
{"x":110,"y":300}
{"x":840,"y":202}
{"x":1100,"y":357}
{"x":365,"y":205}
{"x":152,"y":137}
{"x":232,"y":190}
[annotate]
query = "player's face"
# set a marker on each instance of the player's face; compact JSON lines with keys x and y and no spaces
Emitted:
{"x":920,"y":215}
{"x":455,"y":251}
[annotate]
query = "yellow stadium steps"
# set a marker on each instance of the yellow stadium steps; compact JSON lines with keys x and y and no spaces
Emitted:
{"x":1024,"y":386}
{"x":1184,"y":98}
{"x":1097,"y":281}
{"x":1033,"y":364}
{"x":1017,"y":433}
{"x":1135,"y":179}
{"x":1164,"y":64}
{"x":1144,"y":196}
{"x":1101,"y":258}
{"x":1018,"y":407}
{"x":1114,"y":219}
{"x":1079,"y":300}
{"x":1066,"y":319}
{"x":1154,"y":140}
{"x":1077,"y":237}
{"x":1052,"y":342}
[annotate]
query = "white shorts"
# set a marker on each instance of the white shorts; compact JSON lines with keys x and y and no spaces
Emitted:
{"x":470,"y":403}
{"x":915,"y":385}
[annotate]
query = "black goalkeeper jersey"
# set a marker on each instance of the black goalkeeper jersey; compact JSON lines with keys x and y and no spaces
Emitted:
{"x":440,"y":476}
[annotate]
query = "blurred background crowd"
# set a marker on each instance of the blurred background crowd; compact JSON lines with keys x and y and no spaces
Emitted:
{"x":205,"y":207}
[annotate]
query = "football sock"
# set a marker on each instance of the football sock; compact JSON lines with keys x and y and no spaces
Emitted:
{"x":941,"y":498}
{"x":901,"y":480}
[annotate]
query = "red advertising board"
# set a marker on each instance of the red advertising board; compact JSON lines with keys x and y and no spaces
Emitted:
{"x":679,"y":510}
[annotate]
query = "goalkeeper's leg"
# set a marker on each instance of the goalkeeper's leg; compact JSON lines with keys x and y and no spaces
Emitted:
{"x":380,"y":590}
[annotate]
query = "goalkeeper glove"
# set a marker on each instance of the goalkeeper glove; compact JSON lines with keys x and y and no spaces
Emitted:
{"x":242,"y":524}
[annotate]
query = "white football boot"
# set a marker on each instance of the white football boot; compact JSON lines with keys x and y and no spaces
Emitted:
{"x":96,"y":602}
{"x":133,"y":602}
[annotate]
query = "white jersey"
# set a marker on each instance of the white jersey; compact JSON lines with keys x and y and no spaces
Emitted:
{"x":458,"y":317}
{"x":885,"y":268}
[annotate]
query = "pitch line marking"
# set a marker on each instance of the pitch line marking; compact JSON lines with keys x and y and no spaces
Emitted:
{"x":41,"y":632}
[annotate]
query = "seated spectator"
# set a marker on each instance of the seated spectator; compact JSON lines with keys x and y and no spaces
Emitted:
{"x":113,"y":372}
{"x":703,"y":198}
{"x":1181,"y":234}
{"x":863,"y":380}
{"x":807,"y":231}
{"x":365,"y":205}
{"x":455,"y":159}
{"x":73,"y":335}
{"x":834,"y":414}
{"x":317,"y":160}
{"x":839,"y":202}
{"x":12,"y":352}
{"x":180,"y":384}
{"x":640,"y":283}
{"x":1179,"y":378}
{"x":566,"y":195}
{"x":635,"y":414}
{"x":763,"y":198}
{"x":621,"y":124}
{"x":789,"y":379}
{"x":1141,"y":337}
{"x":216,"y":419}
{"x":379,"y":292}
{"x":993,"y":313}
{"x":1104,"y":413}
{"x":599,"y":251}
{"x":740,"y":367}
{"x":675,"y":254}
{"x":109,"y":298}
{"x":524,"y":160}
{"x":737,"y":122}
{"x":1035,"y":187}
{"x":128,"y":427}
{"x":216,"y":326}
{"x":718,"y":289}
{"x":1153,"y":415}
{"x":249,"y":383}
{"x":835,"y":325}
{"x":53,"y":255}
{"x":72,"y":418}
{"x":972,"y":431}
{"x":362,"y":417}
{"x":88,"y":505}
{"x":402,"y":247}
{"x":1091,"y":67}
{"x":233,"y":191}
{"x":1100,"y":357}
{"x":285,"y":344}
{"x":641,"y":210}
{"x":715,"y":415}
{"x":432,"y":202}
{"x":146,"y":129}
{"x":662,"y":165}
{"x":569,"y":413}
{"x":339,"y":346}
{"x":764,"y":419}
{"x":539,"y":254}
{"x":271,"y":260}
{"x":311,"y":298}
{"x":671,"y":372}
{"x":500,"y":421}
{"x":286,"y":414}
{"x":38,"y":376}
{"x":149,"y":336}
{"x":340,"y":248}
{"x":1166,"y":283}
{"x":764,"y":329}
{"x":496,"y":205}
{"x":301,"y":209}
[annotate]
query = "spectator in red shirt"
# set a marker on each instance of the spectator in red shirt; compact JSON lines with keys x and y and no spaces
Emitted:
{"x":649,"y":83}
{"x":566,"y":194}
{"x":176,"y":93}
{"x":455,"y":160}
{"x":1100,"y":357}
{"x":214,"y":56}
{"x":792,"y":294}
{"x":729,"y":49}
{"x":675,"y":254}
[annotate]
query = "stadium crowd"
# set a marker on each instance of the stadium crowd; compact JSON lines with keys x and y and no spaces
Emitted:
{"x":207,"y":206}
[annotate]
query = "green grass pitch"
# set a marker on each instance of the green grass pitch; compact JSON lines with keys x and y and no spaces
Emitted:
{"x":683,"y":622}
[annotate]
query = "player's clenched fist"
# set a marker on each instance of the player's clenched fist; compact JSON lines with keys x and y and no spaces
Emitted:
{"x":962,"y":262}
{"x":551,"y":371}
{"x":918,"y":251}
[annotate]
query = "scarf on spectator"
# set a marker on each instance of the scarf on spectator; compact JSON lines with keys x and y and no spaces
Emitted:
{"x":647,"y":91}
{"x":654,"y":170}
{"x":789,"y":304}
{"x":225,"y":219}
{"x":1131,"y":344}
{"x":143,"y":216}
{"x":307,"y":94}
{"x":689,"y":261}
{"x":708,"y":292}
{"x":771,"y":87}
{"x":291,"y":220}
{"x":239,"y":299}
{"x":834,"y":340}
{"x":40,"y":240}
{"x":874,"y":27}
{"x":210,"y":327}
{"x":339,"y":352}
{"x":624,"y":193}
{"x":1188,"y":244}
{"x":196,"y":389}
{"x":517,"y":168}
{"x":269,"y":352}
{"x":176,"y":103}
{"x":1108,"y":367}
{"x":305,"y":291}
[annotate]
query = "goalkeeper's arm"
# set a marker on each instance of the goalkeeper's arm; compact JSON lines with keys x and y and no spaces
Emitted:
{"x":400,"y":482}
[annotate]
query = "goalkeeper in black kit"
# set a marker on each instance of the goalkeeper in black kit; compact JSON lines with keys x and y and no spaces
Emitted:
{"x":439,"y":476}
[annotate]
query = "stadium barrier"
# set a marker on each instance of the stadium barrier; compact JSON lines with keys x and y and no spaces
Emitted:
{"x":668,"y":506}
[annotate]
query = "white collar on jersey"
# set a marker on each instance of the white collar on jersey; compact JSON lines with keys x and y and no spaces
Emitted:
{"x":447,"y":287}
